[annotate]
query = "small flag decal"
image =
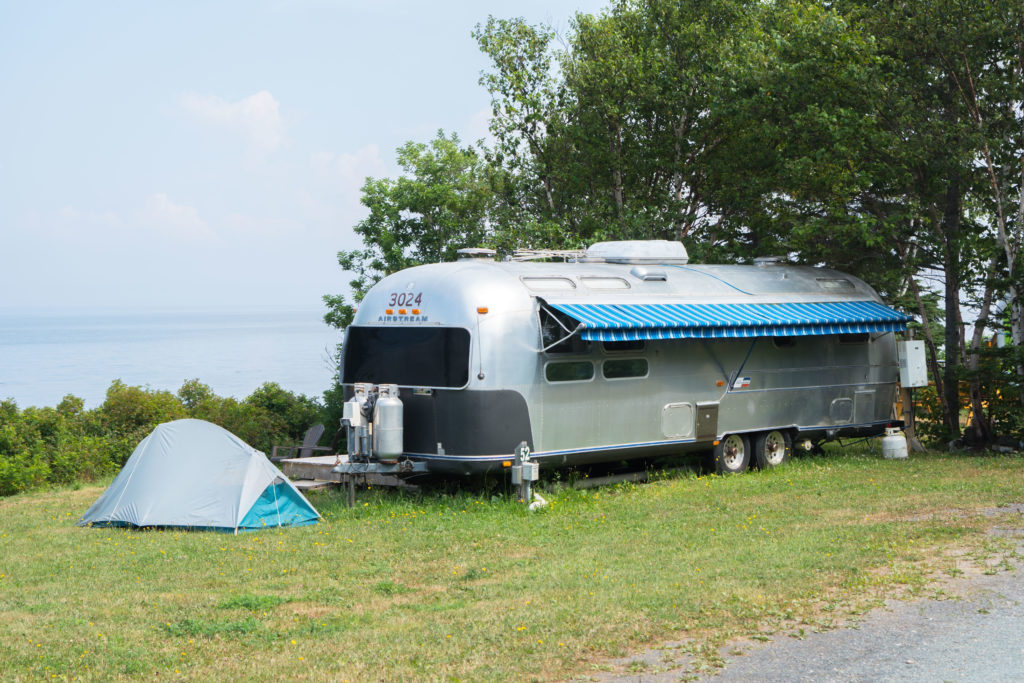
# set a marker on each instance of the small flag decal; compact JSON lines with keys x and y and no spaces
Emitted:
{"x":741,"y":383}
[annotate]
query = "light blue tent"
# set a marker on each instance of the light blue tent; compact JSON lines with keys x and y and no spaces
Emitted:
{"x":191,"y":473}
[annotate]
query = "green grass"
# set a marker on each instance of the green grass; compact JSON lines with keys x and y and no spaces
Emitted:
{"x":457,"y":587}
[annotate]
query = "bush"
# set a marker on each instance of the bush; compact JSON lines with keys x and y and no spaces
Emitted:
{"x":294,"y":412}
{"x":128,"y":410}
{"x":68,"y":444}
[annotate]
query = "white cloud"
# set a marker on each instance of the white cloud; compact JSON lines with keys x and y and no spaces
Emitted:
{"x":257,"y":117}
{"x":333,"y":200}
{"x":179,"y":222}
{"x":248,"y":227}
{"x":70,"y":223}
{"x":478,"y":127}
{"x":351,"y":170}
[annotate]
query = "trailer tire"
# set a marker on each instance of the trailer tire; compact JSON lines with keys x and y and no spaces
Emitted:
{"x":732,"y":454}
{"x":772,"y":449}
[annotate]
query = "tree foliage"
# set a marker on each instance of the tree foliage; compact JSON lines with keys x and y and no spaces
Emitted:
{"x":68,"y":444}
{"x":885,"y":139}
{"x":441,"y":204}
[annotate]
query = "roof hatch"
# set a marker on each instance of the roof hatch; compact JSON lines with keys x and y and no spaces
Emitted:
{"x":639,"y":252}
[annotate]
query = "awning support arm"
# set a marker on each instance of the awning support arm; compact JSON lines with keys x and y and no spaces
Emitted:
{"x":564,"y":339}
{"x":568,"y":333}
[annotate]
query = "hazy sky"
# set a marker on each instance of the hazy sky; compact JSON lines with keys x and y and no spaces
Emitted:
{"x":190,"y":154}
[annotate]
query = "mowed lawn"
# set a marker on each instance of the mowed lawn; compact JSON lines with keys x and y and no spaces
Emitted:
{"x":442,"y":587}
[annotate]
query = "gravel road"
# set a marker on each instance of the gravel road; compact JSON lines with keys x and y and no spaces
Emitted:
{"x":977,"y":636}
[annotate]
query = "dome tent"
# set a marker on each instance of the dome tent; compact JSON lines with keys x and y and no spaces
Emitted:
{"x":191,"y":473}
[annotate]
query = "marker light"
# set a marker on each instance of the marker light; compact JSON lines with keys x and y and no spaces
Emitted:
{"x":719,"y":383}
{"x":506,"y":463}
{"x":389,"y":311}
{"x":481,"y":309}
{"x":401,"y":311}
{"x":415,"y":311}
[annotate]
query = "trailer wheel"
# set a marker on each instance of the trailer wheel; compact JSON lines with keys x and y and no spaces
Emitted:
{"x":732,"y":454}
{"x":772,"y":449}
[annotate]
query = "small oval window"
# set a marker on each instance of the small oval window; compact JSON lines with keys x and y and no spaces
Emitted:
{"x":569,"y":371}
{"x":549,"y":284}
{"x":834,"y":283}
{"x":621,"y":368}
{"x":604,"y":282}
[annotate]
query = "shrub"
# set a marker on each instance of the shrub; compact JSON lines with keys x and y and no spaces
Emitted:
{"x":68,"y":444}
{"x":295,"y":412}
{"x":128,"y":410}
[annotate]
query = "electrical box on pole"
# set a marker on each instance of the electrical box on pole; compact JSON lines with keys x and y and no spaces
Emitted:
{"x":913,"y":367}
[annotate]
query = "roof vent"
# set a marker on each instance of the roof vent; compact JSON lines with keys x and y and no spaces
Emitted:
{"x":765,"y":261}
{"x":648,"y":275}
{"x":639,"y":252}
{"x":476,"y":253}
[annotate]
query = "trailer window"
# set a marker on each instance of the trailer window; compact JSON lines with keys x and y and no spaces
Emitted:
{"x":569,"y":371}
{"x":408,"y":356}
{"x":621,"y":368}
{"x":604,"y":282}
{"x":549,"y":284}
{"x":834,"y":283}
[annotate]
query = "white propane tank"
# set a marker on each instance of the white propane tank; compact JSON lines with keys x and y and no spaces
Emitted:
{"x":894,"y":444}
{"x":388,"y":438}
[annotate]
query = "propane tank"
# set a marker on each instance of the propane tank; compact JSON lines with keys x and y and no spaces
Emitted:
{"x":388,"y":438}
{"x":355,"y":418}
{"x":894,"y":444}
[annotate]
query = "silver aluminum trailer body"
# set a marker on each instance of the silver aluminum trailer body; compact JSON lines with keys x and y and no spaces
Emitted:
{"x":465,"y":342}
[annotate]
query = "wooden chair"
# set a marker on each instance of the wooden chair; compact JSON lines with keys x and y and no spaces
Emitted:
{"x":303,"y":450}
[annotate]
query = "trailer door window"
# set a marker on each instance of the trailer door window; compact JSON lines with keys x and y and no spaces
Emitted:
{"x":408,"y":356}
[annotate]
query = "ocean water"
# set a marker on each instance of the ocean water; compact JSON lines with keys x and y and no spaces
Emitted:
{"x":46,"y":355}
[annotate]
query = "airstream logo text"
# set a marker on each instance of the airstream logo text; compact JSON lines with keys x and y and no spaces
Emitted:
{"x":402,"y":319}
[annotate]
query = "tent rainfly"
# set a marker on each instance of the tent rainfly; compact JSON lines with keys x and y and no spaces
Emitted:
{"x":191,"y":473}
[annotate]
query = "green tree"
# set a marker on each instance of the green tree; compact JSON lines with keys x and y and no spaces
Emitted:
{"x":439,"y":205}
{"x":616,"y":144}
{"x":885,"y":139}
{"x":952,"y":105}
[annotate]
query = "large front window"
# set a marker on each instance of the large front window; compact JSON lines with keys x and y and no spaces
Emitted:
{"x":408,"y":356}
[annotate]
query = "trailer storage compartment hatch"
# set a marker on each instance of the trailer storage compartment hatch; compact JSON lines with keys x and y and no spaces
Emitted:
{"x":635,"y":321}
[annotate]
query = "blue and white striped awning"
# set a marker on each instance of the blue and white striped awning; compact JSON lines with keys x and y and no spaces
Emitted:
{"x":631,"y":322}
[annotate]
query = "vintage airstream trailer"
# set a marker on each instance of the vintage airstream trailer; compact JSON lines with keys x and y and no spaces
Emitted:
{"x":623,"y":351}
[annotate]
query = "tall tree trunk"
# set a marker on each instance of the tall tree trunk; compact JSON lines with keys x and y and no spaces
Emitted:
{"x":1009,"y":241}
{"x":933,"y":351}
{"x":1016,"y":303}
{"x":951,"y":266}
{"x":980,"y":424}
